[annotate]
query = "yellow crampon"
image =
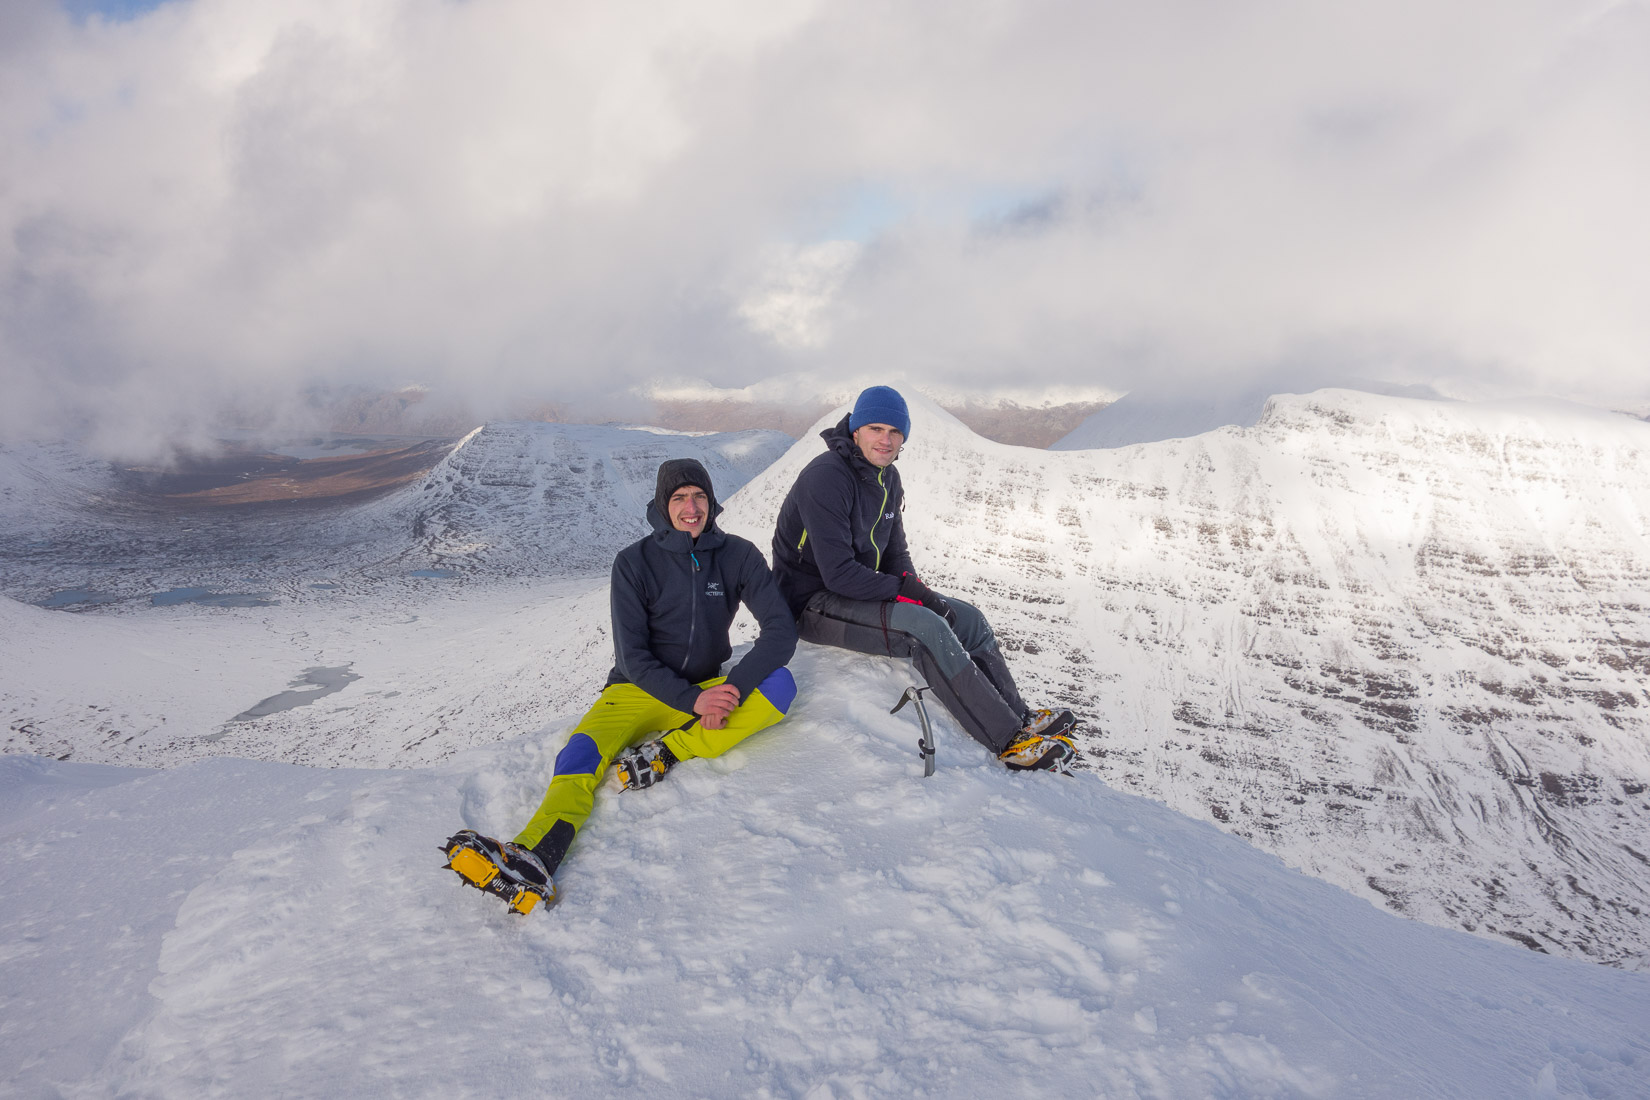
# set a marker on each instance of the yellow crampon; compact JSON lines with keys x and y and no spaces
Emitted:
{"x":633,"y":781}
{"x":524,"y":901}
{"x":1030,"y":751}
{"x":475,"y":868}
{"x":480,"y":872}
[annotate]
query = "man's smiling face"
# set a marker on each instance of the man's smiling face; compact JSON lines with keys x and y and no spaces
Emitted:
{"x":689,"y":509}
{"x":879,"y":443}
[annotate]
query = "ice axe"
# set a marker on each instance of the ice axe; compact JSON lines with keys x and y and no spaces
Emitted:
{"x":925,"y":743}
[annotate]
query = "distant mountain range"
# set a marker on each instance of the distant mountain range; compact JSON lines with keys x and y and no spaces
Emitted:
{"x":1003,"y":421}
{"x":1014,"y":418}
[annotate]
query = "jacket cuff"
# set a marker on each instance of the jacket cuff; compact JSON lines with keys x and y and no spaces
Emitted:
{"x":738,"y":681}
{"x":690,"y":697}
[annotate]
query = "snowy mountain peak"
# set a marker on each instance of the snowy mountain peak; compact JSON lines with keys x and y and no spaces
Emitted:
{"x":526,"y":497}
{"x":1402,"y":643}
{"x":1152,"y":415}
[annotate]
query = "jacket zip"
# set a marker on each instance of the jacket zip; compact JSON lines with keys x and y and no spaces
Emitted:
{"x":693,"y":616}
{"x":880,"y":511}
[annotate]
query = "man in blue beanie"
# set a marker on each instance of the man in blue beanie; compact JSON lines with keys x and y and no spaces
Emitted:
{"x":840,"y":558}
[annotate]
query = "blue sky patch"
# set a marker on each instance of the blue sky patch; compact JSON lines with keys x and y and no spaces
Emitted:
{"x":866,"y":210}
{"x":859,"y":213}
{"x":116,"y":11}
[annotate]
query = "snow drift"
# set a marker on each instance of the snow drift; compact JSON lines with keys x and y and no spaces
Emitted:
{"x":806,"y":916}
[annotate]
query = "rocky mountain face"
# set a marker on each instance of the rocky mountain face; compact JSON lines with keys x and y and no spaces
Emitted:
{"x":1402,"y":644}
{"x":564,"y":498}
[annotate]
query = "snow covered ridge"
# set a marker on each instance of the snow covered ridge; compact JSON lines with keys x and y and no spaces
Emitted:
{"x":1403,"y":644}
{"x":1146,"y":416}
{"x":536,"y":498}
{"x":805,"y":916}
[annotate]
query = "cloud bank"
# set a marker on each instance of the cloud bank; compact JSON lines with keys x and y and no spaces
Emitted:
{"x":224,"y":201}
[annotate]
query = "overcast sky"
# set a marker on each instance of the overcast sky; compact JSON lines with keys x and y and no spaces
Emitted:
{"x":208,"y":200}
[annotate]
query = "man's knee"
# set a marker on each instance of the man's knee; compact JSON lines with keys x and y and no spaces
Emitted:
{"x":579,"y":756}
{"x":767,"y":703}
{"x":971,"y":627}
{"x":931,"y":632}
{"x":778,"y":689}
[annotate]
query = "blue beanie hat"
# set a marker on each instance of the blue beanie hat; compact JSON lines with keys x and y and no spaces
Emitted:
{"x":881,"y":405}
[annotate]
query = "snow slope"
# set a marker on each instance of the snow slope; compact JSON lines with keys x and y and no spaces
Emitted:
{"x":439,"y":668}
{"x":804,"y":917}
{"x":1400,"y":643}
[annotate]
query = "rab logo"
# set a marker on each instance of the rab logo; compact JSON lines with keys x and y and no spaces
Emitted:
{"x":713,"y":588}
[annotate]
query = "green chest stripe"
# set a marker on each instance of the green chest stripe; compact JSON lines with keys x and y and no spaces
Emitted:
{"x":881,"y":511}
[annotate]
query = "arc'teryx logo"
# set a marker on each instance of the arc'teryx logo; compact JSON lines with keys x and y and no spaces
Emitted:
{"x":887,"y":515}
{"x":713,"y":588}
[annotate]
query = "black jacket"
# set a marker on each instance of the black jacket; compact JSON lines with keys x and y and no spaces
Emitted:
{"x":841,"y":527}
{"x":673,"y":601}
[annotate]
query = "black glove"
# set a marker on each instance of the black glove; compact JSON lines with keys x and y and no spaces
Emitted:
{"x":914,"y":591}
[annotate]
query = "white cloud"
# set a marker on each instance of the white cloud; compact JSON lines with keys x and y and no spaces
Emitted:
{"x":792,"y":302}
{"x":226,"y":196}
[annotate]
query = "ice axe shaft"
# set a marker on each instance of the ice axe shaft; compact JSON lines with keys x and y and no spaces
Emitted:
{"x":925,"y":743}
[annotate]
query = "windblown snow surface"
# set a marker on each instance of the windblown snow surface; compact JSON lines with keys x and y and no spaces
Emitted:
{"x":804,"y":917}
{"x":1399,"y":644}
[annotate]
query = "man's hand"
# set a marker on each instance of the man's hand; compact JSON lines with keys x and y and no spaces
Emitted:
{"x":715,"y":704}
{"x":912,"y":590}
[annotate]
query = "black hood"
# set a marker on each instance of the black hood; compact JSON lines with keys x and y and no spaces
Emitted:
{"x":677,"y":472}
{"x":841,"y":441}
{"x":673,"y":474}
